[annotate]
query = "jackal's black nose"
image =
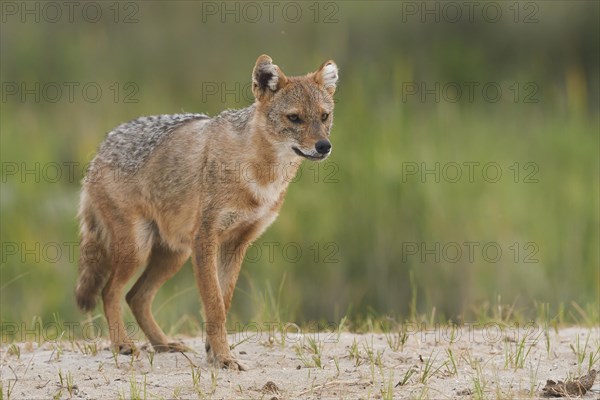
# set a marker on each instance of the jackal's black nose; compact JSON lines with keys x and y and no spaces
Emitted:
{"x":323,"y":146}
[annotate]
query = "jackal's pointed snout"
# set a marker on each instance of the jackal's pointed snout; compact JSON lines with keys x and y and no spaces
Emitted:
{"x":323,"y":147}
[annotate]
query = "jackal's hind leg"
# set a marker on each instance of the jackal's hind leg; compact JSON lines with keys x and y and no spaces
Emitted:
{"x":163,"y":265}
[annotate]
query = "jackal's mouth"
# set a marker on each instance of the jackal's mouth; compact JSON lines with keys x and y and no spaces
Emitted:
{"x":309,"y":156}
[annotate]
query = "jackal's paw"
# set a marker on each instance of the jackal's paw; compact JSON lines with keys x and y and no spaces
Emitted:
{"x":234,"y":364}
{"x":126,"y":349}
{"x":171,"y":347}
{"x":229,"y":363}
{"x":224,"y":362}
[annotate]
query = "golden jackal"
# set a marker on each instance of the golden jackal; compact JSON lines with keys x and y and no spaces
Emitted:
{"x":165,"y":187}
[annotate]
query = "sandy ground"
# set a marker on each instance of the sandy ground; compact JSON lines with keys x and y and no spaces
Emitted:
{"x":438,"y":363}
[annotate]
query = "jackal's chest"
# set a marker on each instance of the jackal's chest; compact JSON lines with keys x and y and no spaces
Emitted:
{"x":231,"y":219}
{"x":258,"y":204}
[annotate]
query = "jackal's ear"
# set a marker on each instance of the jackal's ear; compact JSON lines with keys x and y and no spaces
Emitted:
{"x":267,"y":78}
{"x":327,"y":76}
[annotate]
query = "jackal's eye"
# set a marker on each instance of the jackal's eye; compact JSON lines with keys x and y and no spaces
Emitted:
{"x":294,"y":118}
{"x":324,"y":117}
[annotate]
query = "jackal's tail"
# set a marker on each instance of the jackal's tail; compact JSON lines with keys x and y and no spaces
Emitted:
{"x":93,"y":267}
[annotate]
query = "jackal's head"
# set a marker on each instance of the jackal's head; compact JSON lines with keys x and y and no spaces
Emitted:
{"x":297,"y":111}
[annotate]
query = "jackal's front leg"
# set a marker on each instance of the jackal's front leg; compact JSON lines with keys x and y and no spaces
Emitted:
{"x":231,"y":256}
{"x":205,"y":268}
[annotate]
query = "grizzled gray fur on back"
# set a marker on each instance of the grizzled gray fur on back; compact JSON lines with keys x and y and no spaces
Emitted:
{"x":129,"y":144}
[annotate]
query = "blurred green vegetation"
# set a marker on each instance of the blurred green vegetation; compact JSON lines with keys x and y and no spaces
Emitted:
{"x":361,"y":209}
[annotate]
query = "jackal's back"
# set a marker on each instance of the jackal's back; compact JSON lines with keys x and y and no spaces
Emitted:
{"x":128,"y":146}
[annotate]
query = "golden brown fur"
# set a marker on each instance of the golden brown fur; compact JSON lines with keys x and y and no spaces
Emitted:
{"x":164,"y":188}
